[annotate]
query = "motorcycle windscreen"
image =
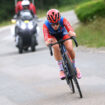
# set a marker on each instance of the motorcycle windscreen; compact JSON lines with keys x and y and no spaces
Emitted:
{"x":26,"y":15}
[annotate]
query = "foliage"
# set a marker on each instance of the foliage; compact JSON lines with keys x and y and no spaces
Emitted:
{"x":7,"y":9}
{"x":46,"y":4}
{"x":90,"y":10}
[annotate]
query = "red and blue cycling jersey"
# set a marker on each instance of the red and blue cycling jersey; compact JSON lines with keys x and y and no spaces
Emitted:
{"x":62,"y":31}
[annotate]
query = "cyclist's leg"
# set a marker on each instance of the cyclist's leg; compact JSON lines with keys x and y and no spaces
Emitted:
{"x":69,"y":46}
{"x":58,"y":57}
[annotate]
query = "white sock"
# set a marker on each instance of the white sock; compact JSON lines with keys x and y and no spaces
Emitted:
{"x":60,"y":64}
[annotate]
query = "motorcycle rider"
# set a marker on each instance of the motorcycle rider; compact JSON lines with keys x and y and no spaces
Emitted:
{"x":25,"y":4}
{"x":19,"y":7}
{"x":25,"y":7}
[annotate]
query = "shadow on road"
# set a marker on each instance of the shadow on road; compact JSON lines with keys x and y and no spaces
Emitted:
{"x":25,"y":52}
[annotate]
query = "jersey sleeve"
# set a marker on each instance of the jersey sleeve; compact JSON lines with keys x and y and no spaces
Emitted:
{"x":67,"y":25}
{"x":18,"y":7}
{"x":33,"y":8}
{"x":46,"y":32}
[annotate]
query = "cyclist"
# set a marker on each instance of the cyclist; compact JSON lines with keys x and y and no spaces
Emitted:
{"x":55,"y":28}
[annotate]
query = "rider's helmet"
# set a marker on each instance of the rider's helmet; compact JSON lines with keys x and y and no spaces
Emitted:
{"x":53,"y":16}
{"x":25,"y":4}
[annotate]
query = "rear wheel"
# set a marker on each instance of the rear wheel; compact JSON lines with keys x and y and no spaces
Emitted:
{"x":20,"y":45}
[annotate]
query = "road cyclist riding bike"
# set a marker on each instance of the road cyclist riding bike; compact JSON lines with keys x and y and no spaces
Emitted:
{"x":69,"y":69}
{"x":55,"y":28}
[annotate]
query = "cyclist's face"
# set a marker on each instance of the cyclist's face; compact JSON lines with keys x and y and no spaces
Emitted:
{"x":55,"y":26}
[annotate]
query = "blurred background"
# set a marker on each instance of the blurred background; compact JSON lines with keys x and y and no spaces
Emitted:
{"x":8,"y":6}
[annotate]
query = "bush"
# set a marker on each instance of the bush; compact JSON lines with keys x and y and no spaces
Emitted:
{"x":6,"y":10}
{"x":90,"y":10}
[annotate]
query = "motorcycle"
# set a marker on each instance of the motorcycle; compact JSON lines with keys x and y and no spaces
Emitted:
{"x":26,"y":32}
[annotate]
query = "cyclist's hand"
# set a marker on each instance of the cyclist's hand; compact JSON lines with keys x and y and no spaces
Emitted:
{"x":49,"y":41}
{"x":71,"y":33}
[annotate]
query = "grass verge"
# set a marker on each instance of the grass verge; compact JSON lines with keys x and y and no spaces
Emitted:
{"x":92,"y":34}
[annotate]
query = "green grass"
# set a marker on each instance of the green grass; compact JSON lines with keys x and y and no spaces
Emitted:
{"x":5,"y":23}
{"x":92,"y":34}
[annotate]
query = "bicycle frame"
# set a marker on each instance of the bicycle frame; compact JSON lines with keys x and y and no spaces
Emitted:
{"x":64,"y":54}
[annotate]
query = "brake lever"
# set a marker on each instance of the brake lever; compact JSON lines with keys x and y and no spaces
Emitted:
{"x":74,"y":38}
{"x":50,"y":48}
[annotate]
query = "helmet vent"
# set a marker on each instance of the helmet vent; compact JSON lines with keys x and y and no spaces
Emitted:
{"x":53,"y":13}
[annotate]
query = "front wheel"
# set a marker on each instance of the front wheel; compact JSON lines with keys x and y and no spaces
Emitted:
{"x":77,"y":85}
{"x":71,"y":85}
{"x":73,"y":76}
{"x":67,"y":73}
{"x":33,"y":41}
{"x":20,"y":45}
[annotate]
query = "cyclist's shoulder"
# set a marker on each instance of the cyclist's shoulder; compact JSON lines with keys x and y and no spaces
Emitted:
{"x":47,"y":23}
{"x":61,"y":21}
{"x":61,"y":18}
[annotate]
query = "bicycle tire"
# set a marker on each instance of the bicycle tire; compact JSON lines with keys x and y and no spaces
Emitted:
{"x":74,"y":75}
{"x":78,"y":87}
{"x":71,"y":85}
{"x":70,"y":66}
{"x":70,"y":82}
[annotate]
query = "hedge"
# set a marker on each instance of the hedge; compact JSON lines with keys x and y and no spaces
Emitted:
{"x":90,"y":10}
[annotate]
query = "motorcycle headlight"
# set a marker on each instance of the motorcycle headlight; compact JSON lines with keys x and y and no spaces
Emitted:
{"x":23,"y":26}
{"x":30,"y":26}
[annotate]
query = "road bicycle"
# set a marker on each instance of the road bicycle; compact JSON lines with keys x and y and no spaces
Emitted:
{"x":69,"y":69}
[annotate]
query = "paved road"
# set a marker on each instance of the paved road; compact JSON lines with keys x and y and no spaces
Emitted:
{"x":33,"y":78}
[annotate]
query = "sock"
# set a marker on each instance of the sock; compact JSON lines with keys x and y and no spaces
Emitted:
{"x":60,"y":64}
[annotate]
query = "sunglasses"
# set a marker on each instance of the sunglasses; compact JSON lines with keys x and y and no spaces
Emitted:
{"x":53,"y":24}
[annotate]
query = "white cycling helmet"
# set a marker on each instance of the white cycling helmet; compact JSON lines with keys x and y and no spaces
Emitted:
{"x":25,"y":2}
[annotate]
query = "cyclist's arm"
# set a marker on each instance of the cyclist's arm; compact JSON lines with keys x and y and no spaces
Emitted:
{"x":68,"y":27}
{"x":47,"y":36}
{"x":33,"y":8}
